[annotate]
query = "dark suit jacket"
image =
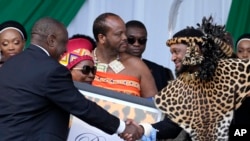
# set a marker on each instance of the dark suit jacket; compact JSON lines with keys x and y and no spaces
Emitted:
{"x":241,"y":120}
{"x":37,"y":96}
{"x":161,"y":74}
{"x":168,"y":130}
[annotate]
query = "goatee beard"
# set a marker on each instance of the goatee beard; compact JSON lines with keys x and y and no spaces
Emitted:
{"x":183,"y":69}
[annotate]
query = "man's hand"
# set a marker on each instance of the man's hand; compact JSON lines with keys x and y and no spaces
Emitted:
{"x":132,"y":131}
{"x":149,"y":132}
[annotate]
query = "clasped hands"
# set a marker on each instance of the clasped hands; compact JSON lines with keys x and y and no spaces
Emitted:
{"x":132,"y":132}
{"x":143,"y":131}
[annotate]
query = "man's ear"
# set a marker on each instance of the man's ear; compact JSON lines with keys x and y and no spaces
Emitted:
{"x":51,"y":40}
{"x":101,"y":38}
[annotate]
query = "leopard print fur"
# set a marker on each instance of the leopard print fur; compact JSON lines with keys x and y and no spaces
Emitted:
{"x":184,"y":40}
{"x":226,"y":48}
{"x":205,"y":108}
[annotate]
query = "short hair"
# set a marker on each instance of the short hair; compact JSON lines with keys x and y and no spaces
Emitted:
{"x":188,"y":32}
{"x":14,"y":24}
{"x":188,"y":35}
{"x":99,"y":26}
{"x":92,"y":41}
{"x":135,"y":23}
{"x":47,"y":25}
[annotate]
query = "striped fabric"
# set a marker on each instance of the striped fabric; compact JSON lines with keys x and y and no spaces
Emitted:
{"x":117,"y":82}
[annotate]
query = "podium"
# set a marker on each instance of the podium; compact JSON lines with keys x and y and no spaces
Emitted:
{"x":121,"y":105}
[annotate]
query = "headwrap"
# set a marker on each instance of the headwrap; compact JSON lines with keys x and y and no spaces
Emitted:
{"x":212,"y":46}
{"x":78,"y":49}
{"x":14,"y":25}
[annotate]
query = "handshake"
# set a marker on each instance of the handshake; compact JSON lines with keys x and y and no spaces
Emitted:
{"x":142,"y":131}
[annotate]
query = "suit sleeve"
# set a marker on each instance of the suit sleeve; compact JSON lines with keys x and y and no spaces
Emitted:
{"x":166,"y":129}
{"x":60,"y":90}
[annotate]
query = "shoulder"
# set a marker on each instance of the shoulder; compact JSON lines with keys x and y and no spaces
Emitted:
{"x":233,"y":62}
{"x":58,"y":69}
{"x":134,"y":65}
{"x":131,"y":60}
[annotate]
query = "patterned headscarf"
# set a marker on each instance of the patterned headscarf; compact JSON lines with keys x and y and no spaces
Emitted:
{"x":78,"y":49}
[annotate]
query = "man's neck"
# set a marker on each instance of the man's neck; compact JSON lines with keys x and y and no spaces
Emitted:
{"x":105,"y":55}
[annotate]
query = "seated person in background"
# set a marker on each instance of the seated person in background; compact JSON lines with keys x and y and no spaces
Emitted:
{"x":243,"y":46}
{"x":116,"y":71}
{"x":78,"y":58}
{"x":13,"y":37}
{"x":137,"y":38}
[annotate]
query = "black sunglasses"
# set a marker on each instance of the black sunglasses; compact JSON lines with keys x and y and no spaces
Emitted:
{"x":141,"y":41}
{"x":87,"y":69}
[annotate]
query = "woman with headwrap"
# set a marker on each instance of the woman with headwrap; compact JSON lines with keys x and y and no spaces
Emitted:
{"x":78,"y":58}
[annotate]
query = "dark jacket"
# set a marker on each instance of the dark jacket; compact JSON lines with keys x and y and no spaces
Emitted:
{"x":241,"y":120}
{"x":161,"y":74}
{"x":37,"y":95}
{"x":169,"y":130}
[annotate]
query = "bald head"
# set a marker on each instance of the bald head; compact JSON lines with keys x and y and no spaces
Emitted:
{"x":46,"y":26}
{"x":51,"y":35}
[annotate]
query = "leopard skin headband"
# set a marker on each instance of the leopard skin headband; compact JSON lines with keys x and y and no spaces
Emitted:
{"x":193,"y":56}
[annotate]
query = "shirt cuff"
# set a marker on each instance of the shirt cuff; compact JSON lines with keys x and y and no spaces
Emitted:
{"x":121,"y":127}
{"x":147,"y":128}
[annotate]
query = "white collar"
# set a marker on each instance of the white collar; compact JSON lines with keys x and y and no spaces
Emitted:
{"x":43,"y":49}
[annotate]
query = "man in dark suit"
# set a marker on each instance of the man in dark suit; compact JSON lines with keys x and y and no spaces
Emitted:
{"x":37,"y":94}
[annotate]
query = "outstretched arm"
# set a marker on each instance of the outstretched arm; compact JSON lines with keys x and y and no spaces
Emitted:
{"x":167,"y":129}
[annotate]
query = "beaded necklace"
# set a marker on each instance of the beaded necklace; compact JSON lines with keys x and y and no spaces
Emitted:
{"x":115,"y":65}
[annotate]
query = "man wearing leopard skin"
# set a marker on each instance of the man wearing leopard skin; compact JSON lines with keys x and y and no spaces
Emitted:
{"x":210,"y":84}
